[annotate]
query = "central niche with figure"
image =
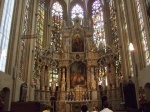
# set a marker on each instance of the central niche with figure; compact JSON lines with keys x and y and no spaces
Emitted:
{"x":78,"y":75}
{"x":77,"y":44}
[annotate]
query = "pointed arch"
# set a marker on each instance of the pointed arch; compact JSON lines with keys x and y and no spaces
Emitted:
{"x":80,"y":3}
{"x":77,"y":9}
{"x":64,"y":7}
{"x":23,"y":92}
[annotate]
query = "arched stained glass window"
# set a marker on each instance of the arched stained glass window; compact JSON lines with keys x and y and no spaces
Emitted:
{"x":143,"y":33}
{"x":39,"y":36}
{"x":98,"y":24}
{"x":113,"y":20}
{"x":23,"y":38}
{"x":114,"y":37}
{"x":40,"y":26}
{"x":5,"y":27}
{"x":77,"y":10}
{"x":57,"y":22}
{"x":53,"y":78}
{"x":102,"y":78}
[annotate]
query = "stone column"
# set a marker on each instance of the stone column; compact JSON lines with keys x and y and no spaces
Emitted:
{"x":46,"y":78}
{"x":96,"y":78}
{"x":63,"y":74}
{"x":114,"y":96}
{"x":93,"y":82}
{"x":113,"y":73}
{"x":59,"y":82}
{"x":42,"y":71}
{"x":59,"y":78}
{"x":63,"y":82}
{"x":46,"y":84}
{"x":108,"y":74}
{"x":47,"y":22}
{"x":103,"y":83}
{"x":88,"y":78}
{"x":113,"y":92}
{"x":68,"y":78}
{"x":35,"y":95}
{"x":42,"y":88}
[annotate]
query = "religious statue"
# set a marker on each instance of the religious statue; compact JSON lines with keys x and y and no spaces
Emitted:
{"x":71,"y":96}
{"x":93,"y":83}
{"x":53,"y":87}
{"x":83,"y":95}
{"x":23,"y":92}
{"x":63,"y":85}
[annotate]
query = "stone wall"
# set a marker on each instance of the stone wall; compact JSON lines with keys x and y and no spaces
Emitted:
{"x":7,"y":81}
{"x":144,"y":76}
